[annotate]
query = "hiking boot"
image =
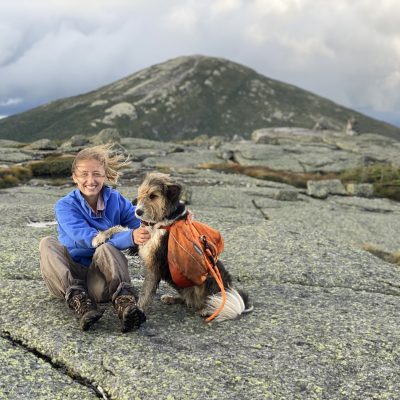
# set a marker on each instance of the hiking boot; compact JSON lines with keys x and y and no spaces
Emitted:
{"x":86,"y":307}
{"x":128,"y":312}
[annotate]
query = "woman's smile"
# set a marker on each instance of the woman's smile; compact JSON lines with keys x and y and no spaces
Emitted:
{"x":89,"y":176}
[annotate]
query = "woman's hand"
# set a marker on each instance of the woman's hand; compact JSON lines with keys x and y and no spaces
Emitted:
{"x":141,"y":235}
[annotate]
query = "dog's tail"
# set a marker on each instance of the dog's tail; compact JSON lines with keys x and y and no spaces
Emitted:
{"x":237,"y":303}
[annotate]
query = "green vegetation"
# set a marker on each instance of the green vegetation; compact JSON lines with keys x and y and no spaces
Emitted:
{"x":52,"y":167}
{"x":385,"y":179}
{"x":393,"y":258}
{"x":12,"y":176}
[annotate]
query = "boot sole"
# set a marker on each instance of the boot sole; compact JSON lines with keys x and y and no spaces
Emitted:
{"x":90,"y":318}
{"x":132,"y":319}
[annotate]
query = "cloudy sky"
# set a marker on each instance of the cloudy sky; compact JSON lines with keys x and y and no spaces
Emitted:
{"x":345,"y":50}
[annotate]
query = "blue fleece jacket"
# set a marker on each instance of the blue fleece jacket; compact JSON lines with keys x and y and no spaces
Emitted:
{"x":78,"y":223}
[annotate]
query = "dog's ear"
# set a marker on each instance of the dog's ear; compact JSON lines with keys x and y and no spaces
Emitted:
{"x":174,"y":192}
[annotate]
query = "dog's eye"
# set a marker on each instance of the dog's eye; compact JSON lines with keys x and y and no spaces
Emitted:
{"x":152,"y":196}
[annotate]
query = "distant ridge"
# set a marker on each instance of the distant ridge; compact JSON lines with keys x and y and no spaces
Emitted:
{"x":183,"y":98}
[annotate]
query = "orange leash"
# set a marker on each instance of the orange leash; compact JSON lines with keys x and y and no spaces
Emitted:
{"x":213,"y":269}
{"x":217,"y":276}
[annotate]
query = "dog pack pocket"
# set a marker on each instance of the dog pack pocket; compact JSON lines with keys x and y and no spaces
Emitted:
{"x":193,"y":248}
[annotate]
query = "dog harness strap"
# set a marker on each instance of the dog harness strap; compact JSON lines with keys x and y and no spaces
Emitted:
{"x":211,"y":263}
{"x":206,"y":257}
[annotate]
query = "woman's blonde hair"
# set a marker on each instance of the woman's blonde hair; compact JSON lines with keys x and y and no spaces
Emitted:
{"x":111,"y":161}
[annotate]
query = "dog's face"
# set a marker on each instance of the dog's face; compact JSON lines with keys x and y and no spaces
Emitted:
{"x":158,"y":197}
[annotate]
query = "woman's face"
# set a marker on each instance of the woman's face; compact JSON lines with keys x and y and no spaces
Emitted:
{"x":89,"y":176}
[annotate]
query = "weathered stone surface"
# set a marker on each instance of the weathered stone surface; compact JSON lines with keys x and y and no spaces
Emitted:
{"x":42,"y":144}
{"x":325,"y":312}
{"x":323,"y":189}
{"x":13,"y":156}
{"x":10,"y":143}
{"x":360,"y":189}
{"x":303,"y":150}
{"x":286,"y":195}
{"x":24,"y":375}
{"x":370,"y":146}
{"x":267,"y":155}
{"x":107,"y":135}
{"x":132,"y":144}
{"x":297,"y":157}
{"x":325,"y":323}
{"x":192,"y":158}
{"x":292,"y":149}
{"x":76,"y":141}
{"x":284,"y":135}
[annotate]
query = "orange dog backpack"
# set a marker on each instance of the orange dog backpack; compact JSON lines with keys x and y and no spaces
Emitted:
{"x":193,"y":250}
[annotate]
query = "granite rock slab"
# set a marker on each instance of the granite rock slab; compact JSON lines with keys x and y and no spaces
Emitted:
{"x":324,"y":325}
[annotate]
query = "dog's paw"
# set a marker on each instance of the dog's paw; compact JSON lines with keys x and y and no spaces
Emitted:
{"x":103,"y":236}
{"x":141,"y":304}
{"x":99,"y":239}
{"x":204,"y":312}
{"x":169,"y":299}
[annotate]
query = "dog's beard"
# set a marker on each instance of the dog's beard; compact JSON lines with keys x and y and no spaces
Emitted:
{"x":143,"y":219}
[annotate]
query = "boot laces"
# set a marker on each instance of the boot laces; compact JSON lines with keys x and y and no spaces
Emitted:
{"x":81,"y":303}
{"x":123,"y":301}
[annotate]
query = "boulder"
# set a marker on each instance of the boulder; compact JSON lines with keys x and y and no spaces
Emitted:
{"x":277,"y":135}
{"x":78,"y":140}
{"x":352,"y":127}
{"x":10,"y":156}
{"x":322,"y":189}
{"x":108,"y":135}
{"x":360,"y":189}
{"x":5,"y":143}
{"x":286,"y":195}
{"x":42,"y":144}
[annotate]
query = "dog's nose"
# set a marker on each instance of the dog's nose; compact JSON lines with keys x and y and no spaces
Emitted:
{"x":139,"y":212}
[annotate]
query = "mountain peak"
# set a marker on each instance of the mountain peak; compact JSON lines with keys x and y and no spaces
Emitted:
{"x":183,"y":98}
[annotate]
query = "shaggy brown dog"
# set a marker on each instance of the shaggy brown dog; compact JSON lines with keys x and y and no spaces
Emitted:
{"x":158,"y":206}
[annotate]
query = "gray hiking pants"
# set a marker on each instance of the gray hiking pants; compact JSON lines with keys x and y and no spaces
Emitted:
{"x":104,"y":279}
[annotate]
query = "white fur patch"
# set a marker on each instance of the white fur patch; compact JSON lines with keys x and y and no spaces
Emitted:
{"x":234,"y":305}
{"x":149,"y":248}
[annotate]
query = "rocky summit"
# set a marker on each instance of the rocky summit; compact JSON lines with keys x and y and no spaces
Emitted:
{"x":326,"y":311}
{"x":186,"y":97}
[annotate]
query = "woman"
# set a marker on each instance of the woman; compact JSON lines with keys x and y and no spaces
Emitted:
{"x":71,"y":267}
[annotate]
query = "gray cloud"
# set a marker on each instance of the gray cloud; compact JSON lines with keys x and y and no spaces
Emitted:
{"x":346,"y":50}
